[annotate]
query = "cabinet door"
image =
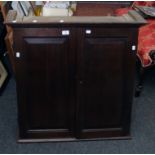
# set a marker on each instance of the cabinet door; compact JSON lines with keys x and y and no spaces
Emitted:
{"x":105,"y":82}
{"x":43,"y":82}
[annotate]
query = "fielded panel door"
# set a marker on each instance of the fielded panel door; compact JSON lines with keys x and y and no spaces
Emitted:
{"x":44,"y":84}
{"x":105,"y":82}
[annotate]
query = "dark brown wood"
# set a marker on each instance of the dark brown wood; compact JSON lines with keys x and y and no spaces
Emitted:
{"x":43,"y":81}
{"x":103,"y":81}
{"x":75,"y":86}
{"x":79,"y":85}
{"x":95,"y":9}
{"x":104,"y":8}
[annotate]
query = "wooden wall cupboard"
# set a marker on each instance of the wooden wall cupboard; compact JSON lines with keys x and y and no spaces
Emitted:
{"x":74,"y":81}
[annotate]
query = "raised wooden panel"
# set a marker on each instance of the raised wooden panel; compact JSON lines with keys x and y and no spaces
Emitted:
{"x":46,"y":67}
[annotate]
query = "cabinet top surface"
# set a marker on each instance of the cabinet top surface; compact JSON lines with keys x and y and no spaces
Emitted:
{"x":85,"y":14}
